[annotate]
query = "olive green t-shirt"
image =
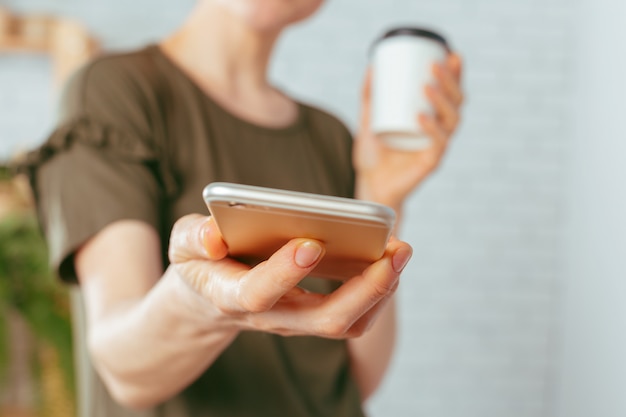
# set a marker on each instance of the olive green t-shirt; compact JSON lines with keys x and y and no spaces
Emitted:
{"x":138,"y":139}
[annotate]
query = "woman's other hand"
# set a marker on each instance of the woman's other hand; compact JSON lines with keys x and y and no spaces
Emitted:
{"x":388,"y":176}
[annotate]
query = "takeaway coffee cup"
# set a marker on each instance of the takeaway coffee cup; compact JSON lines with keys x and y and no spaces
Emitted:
{"x":402,"y":62}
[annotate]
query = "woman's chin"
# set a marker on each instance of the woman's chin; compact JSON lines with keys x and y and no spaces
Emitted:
{"x":271,"y":15}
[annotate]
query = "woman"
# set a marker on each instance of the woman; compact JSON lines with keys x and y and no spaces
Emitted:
{"x":174,"y":326}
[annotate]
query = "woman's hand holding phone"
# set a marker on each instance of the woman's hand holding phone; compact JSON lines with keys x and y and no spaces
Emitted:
{"x":266,"y":297}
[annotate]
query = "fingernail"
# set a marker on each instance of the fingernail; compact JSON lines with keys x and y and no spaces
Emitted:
{"x":204,"y":238}
{"x":209,"y":234}
{"x":400,"y":259}
{"x":308,"y":253}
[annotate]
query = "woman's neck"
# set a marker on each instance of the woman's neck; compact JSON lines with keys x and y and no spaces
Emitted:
{"x":221,"y":49}
{"x":229,"y":61}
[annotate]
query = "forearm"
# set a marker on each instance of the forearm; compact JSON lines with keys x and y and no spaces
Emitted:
{"x":371,"y":353}
{"x":148,"y":350}
{"x":364,"y":192}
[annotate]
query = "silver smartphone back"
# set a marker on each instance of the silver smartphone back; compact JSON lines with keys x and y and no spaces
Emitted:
{"x":257,"y":221}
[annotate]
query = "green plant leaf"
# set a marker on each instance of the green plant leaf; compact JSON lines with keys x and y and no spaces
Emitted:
{"x":28,"y":286}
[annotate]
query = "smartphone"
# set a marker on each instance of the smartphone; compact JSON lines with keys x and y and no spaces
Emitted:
{"x":256,"y":221}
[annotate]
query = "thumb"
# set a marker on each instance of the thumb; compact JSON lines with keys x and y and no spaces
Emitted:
{"x":366,"y":145}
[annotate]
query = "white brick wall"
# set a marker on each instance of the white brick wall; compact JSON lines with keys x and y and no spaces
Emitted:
{"x":477,"y":300}
{"x":592,"y":341}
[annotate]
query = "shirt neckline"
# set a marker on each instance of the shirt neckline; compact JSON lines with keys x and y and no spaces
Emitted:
{"x":296,"y":125}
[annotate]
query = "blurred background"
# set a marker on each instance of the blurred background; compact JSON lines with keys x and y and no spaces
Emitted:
{"x":515,"y":301}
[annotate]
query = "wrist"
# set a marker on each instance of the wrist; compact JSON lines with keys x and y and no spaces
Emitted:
{"x":397,"y":204}
{"x":363,"y":192}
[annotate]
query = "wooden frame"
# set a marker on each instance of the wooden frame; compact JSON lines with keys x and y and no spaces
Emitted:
{"x":67,"y":42}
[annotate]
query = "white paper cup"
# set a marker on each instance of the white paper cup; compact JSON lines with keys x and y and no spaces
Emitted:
{"x":402,"y":62}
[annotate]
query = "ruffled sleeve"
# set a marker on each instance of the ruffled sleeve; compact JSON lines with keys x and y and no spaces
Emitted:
{"x":87,"y":176}
{"x":105,"y":160}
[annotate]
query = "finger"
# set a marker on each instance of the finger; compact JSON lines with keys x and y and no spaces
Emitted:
{"x":366,"y":101}
{"x":366,"y":146}
{"x":455,"y":63}
{"x":296,"y":314}
{"x":357,"y":296}
{"x":294,"y":294}
{"x":334,"y":315}
{"x":446,"y":111}
{"x":261,"y":287}
{"x":448,"y":82}
{"x":367,"y":320}
{"x":434,"y":130}
{"x":196,"y":237}
{"x":291,"y":315}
